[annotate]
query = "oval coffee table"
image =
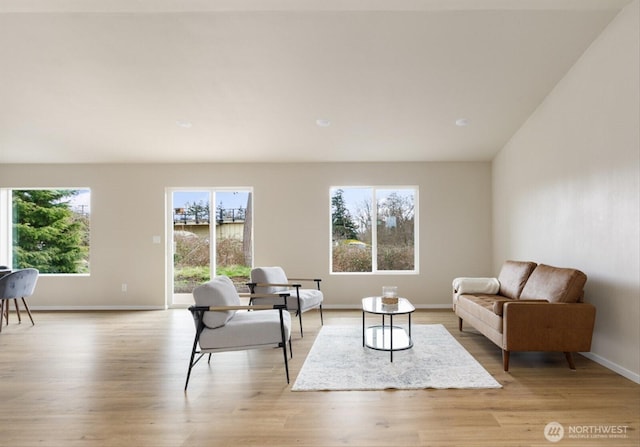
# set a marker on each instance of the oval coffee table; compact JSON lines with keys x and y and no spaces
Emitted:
{"x":386,"y":337}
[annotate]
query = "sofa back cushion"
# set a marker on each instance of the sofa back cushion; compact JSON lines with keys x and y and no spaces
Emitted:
{"x":513,"y":276}
{"x":220,"y":291}
{"x":555,"y":284}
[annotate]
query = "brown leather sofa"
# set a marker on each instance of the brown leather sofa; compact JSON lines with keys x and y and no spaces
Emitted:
{"x":536,"y":308}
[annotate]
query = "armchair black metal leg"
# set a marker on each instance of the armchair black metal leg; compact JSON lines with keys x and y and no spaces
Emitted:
{"x":300,"y":319}
{"x":321,"y":318}
{"x":191,"y":362}
{"x":194,"y":349}
{"x":299,"y":310}
{"x":286,"y":361}
{"x":283,"y":342}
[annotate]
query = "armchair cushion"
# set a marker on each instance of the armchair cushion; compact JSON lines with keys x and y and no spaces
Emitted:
{"x":220,"y":291}
{"x":272,"y":275}
{"x":309,"y":298}
{"x":248,"y":330}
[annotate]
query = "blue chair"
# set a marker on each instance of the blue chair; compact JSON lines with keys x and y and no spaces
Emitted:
{"x":19,"y":284}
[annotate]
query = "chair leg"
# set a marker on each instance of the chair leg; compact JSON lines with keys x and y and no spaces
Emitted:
{"x":321,"y":318}
{"x":28,"y":311}
{"x":300,"y":319}
{"x":15,"y":302}
{"x":283,"y":343}
{"x":284,"y":353}
{"x":460,"y":324}
{"x":1,"y":313}
{"x":191,"y":362}
{"x":286,"y":361}
{"x":5,"y":312}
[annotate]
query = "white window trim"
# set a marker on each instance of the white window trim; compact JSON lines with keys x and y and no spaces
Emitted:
{"x":374,"y":231}
{"x":6,"y":210}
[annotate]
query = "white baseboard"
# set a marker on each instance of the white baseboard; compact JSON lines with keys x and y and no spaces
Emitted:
{"x":358,"y":307}
{"x":624,"y":372}
{"x":89,"y":308}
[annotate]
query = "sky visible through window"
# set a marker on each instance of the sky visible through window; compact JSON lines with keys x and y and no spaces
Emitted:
{"x":356,"y":196}
{"x":82,"y":201}
{"x":226,"y":199}
{"x":229,"y":199}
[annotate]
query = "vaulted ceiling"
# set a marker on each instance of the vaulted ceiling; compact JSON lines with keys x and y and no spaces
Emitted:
{"x":117,"y":81}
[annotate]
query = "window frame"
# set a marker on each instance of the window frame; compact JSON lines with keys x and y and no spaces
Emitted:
{"x":374,"y":229}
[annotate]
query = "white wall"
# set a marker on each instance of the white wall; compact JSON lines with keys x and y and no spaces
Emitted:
{"x":291,"y":225}
{"x":566,"y":187}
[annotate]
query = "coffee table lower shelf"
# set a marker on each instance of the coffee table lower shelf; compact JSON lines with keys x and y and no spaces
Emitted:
{"x":387,"y":338}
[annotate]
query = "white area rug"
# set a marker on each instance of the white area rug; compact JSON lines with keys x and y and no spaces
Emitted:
{"x":338,"y":361}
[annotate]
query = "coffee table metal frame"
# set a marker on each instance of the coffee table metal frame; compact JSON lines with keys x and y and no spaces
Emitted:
{"x":386,"y":337}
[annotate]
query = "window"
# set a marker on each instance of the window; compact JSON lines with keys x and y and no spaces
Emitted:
{"x":360,"y":246}
{"x":212,"y":235}
{"x":47,"y":229}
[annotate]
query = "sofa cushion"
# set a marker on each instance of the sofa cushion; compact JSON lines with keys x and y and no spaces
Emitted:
{"x":481,"y":307}
{"x":555,"y":284}
{"x":513,"y":277}
{"x":220,"y":291}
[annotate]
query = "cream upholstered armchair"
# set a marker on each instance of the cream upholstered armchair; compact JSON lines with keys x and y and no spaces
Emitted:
{"x":272,"y":280}
{"x":223,"y":324}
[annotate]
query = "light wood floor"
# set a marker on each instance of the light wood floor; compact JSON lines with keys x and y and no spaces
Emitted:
{"x":116,"y":379}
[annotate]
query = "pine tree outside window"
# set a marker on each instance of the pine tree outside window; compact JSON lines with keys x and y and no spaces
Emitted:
{"x":48,"y":229}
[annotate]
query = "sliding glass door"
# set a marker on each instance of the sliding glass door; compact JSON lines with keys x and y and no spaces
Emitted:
{"x":211,"y":234}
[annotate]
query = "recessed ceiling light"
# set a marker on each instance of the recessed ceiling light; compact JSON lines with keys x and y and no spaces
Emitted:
{"x":184,"y":124}
{"x":462,"y":122}
{"x":323,"y":123}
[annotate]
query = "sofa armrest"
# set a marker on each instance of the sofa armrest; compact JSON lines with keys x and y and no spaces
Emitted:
{"x":488,"y":286}
{"x":498,"y":305}
{"x":472,"y":285}
{"x":531,"y":326}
